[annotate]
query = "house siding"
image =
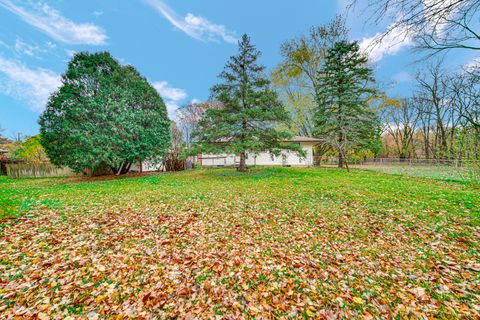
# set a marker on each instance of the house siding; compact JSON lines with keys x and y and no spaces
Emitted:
{"x":286,"y":158}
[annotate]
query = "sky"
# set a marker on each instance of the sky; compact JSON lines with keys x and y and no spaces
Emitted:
{"x":179,"y":46}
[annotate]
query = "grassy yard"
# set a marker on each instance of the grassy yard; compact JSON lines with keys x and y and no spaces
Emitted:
{"x":272,"y":243}
{"x":429,"y":172}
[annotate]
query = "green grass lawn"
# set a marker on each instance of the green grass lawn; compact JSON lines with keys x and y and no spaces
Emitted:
{"x":448,"y":173}
{"x":272,"y":243}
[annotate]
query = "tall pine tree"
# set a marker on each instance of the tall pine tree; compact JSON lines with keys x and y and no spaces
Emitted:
{"x":250,"y":111}
{"x":343,"y":116}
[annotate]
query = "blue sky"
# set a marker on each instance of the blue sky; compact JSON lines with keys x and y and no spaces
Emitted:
{"x":180,"y":46}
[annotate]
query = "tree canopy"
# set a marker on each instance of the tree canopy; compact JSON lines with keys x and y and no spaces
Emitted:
{"x":296,"y":78}
{"x":104,"y":114}
{"x":31,"y":150}
{"x":250,"y":111}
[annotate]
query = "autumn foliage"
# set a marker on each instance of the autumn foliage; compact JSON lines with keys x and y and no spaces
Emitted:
{"x":269,"y":243}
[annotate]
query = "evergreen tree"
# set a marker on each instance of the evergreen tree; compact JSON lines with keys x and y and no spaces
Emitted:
{"x":343,"y":116}
{"x":250,"y":111}
{"x":104,"y":114}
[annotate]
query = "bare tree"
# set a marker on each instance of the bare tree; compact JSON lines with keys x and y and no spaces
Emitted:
{"x":465,"y":89}
{"x":2,"y":138}
{"x":189,"y":115}
{"x":433,"y":90}
{"x":422,"y":107}
{"x":432,"y":24}
{"x":173,"y":160}
{"x":400,"y":121}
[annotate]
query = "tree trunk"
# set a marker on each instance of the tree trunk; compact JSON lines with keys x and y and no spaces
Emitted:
{"x":346,"y":164}
{"x":340,"y":159}
{"x":126,"y":167}
{"x":123,"y":168}
{"x":119,"y":170}
{"x":242,"y":167}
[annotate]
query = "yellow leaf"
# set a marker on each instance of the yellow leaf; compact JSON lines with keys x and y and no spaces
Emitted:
{"x":358,"y":300}
{"x":42,"y":316}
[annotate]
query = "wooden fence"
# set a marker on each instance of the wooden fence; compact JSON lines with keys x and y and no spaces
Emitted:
{"x":37,"y":170}
{"x":3,"y":165}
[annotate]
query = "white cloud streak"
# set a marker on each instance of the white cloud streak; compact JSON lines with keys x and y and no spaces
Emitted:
{"x":385,"y":44}
{"x":52,"y":23}
{"x":24,"y":48}
{"x":32,"y":86}
{"x":194,"y":26}
{"x":172,"y":96}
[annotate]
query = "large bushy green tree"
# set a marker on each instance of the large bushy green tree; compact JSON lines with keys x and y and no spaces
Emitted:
{"x":344,"y":116}
{"x":250,"y":111}
{"x":104,"y":114}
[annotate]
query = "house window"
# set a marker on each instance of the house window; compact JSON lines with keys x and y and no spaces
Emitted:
{"x":272,"y":157}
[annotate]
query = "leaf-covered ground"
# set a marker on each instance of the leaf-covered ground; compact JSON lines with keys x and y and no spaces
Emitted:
{"x":272,"y":243}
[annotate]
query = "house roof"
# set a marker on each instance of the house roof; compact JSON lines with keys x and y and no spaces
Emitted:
{"x":303,"y":139}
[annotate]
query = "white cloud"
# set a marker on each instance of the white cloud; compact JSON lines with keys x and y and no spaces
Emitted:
{"x":385,"y":44}
{"x":33,"y":86}
{"x":195,"y":26}
{"x":97,"y":13}
{"x":172,"y":108}
{"x":51,"y":22}
{"x":168,"y":92}
{"x":195,"y":100}
{"x":3,"y":44}
{"x":472,"y":65}
{"x":172,"y":96}
{"x":21,"y":47}
{"x":50,"y":45}
{"x":25,"y":48}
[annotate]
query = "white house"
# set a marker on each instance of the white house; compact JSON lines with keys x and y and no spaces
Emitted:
{"x":286,"y":158}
